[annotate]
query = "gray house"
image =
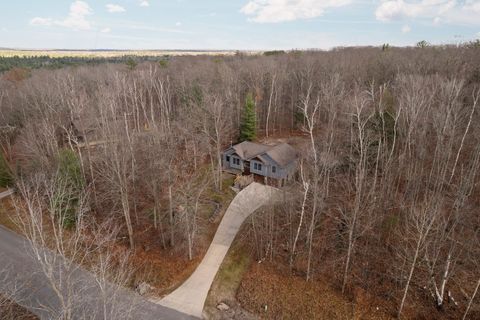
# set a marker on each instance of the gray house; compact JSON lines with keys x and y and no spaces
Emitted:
{"x":277,"y":162}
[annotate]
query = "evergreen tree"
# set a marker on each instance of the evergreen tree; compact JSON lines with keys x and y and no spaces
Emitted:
{"x":422,"y":44}
{"x":70,"y":170}
{"x":6,"y":178}
{"x":71,"y":183}
{"x":131,"y":64}
{"x":248,"y":128}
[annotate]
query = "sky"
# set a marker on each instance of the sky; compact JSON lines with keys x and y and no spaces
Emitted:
{"x":234,"y":24}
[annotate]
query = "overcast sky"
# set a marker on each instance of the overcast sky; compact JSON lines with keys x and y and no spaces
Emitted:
{"x":234,"y":24}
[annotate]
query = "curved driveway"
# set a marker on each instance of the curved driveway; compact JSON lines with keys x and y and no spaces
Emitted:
{"x":190,"y":297}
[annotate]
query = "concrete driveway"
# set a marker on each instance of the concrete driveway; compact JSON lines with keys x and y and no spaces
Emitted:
{"x":190,"y":297}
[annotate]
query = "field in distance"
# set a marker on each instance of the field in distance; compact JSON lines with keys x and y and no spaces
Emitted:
{"x":110,"y":53}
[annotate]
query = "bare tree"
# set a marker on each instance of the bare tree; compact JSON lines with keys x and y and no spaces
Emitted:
{"x":189,"y":207}
{"x":476,"y":263}
{"x":60,"y":252}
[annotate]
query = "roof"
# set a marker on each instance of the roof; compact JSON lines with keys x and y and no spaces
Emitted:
{"x":282,"y":154}
{"x":247,"y":150}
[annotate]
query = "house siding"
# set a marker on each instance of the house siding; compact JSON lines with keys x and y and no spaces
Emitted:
{"x":280,"y":173}
{"x":230,"y":164}
{"x":263,"y":171}
{"x":236,"y":166}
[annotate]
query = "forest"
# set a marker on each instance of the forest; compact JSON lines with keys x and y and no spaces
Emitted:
{"x":118,"y":167}
{"x":57,"y":62}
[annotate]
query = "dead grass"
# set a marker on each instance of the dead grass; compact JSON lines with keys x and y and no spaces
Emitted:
{"x":273,"y":294}
{"x":163,"y":270}
{"x":225,"y":285}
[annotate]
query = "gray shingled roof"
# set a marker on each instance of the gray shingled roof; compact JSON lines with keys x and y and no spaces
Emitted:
{"x":282,"y":154}
{"x":247,"y":150}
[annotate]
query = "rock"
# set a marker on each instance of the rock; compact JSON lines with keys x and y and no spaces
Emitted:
{"x":144,"y":288}
{"x":223,"y":306}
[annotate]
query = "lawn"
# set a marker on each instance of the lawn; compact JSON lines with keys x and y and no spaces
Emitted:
{"x":228,"y":279}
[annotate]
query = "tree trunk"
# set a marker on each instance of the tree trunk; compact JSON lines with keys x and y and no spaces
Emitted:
{"x":471,"y":300}
{"x":347,"y":262}
{"x":410,"y":274}
{"x":128,"y":221}
{"x":302,"y":213}
{"x":170,"y":213}
{"x":269,"y":106}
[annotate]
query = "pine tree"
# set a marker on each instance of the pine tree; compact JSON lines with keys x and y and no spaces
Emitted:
{"x":71,"y":182}
{"x":248,"y":128}
{"x":70,"y":170}
{"x":131,"y":64}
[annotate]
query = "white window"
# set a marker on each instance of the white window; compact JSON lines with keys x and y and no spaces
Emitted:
{"x":259,"y":167}
{"x":255,"y":165}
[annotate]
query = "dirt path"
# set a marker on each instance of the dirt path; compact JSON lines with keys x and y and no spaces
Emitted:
{"x":190,"y":297}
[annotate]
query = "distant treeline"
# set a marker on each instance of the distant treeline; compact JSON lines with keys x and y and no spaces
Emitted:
{"x":36,"y":62}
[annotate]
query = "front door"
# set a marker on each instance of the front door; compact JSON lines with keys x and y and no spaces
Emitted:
{"x":246,"y":168}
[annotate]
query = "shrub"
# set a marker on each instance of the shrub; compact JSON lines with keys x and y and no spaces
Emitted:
{"x":6,"y":178}
{"x":131,"y":64}
{"x":70,"y":183}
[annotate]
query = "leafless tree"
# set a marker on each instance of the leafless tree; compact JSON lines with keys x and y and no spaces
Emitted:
{"x":60,"y":252}
{"x":189,"y":205}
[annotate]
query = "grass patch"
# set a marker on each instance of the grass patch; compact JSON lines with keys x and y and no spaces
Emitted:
{"x":225,"y":195}
{"x":228,"y":278}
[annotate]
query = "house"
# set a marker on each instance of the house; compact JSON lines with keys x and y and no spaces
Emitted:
{"x":270,"y":161}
